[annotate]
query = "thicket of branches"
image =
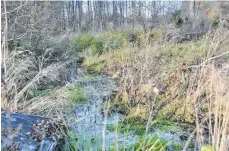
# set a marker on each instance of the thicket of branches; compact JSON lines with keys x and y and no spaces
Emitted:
{"x":82,"y":16}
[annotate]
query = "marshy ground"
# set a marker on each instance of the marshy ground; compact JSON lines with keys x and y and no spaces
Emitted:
{"x":164,"y":88}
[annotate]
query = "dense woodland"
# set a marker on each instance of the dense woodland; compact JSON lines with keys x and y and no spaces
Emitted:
{"x":84,"y":16}
{"x":115,"y":75}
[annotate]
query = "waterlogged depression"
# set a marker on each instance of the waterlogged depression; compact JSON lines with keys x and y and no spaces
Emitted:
{"x":90,"y":124}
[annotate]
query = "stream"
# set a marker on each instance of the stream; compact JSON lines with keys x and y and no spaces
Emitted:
{"x":87,"y":121}
{"x":89,"y":124}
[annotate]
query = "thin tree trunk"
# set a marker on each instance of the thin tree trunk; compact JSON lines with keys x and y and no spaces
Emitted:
{"x":5,"y":44}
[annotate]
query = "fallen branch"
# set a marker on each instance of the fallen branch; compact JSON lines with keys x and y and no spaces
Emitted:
{"x":203,"y":63}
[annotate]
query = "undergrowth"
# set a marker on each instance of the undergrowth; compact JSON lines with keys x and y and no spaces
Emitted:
{"x":160,"y":85}
{"x":188,"y":70}
{"x":76,"y":94}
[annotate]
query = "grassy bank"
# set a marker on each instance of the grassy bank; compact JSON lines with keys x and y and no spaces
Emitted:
{"x":177,"y":88}
{"x":183,"y":82}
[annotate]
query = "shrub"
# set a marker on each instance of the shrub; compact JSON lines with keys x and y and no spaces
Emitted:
{"x":108,"y":41}
{"x":83,"y":42}
{"x":113,"y":40}
{"x":158,"y":33}
{"x":97,"y":47}
{"x":178,"y":21}
{"x":216,"y":21}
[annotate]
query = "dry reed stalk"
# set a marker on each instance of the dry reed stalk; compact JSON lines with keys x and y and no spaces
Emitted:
{"x":216,"y":117}
{"x":209,"y":91}
{"x":106,"y":110}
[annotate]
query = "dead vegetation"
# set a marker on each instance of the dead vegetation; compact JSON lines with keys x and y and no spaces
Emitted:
{"x":22,"y":75}
{"x":29,"y":70}
{"x":178,"y":72}
{"x":194,"y":77}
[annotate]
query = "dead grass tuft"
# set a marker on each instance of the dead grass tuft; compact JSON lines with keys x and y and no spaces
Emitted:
{"x":51,"y":105}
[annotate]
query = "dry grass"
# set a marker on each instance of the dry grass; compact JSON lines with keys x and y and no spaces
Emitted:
{"x":196,"y":74}
{"x":24,"y":73}
{"x":208,"y":95}
{"x":190,"y":82}
{"x":51,"y":105}
{"x":141,"y":71}
{"x":209,"y":92}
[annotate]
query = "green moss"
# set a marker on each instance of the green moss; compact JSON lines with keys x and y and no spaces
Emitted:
{"x":120,"y":103}
{"x":123,"y":128}
{"x":176,"y":111}
{"x":76,"y":94}
{"x":171,"y":55}
{"x":165,"y":111}
{"x":166,"y":125}
{"x":177,"y":147}
{"x":141,"y":113}
{"x":134,"y":124}
{"x":191,"y":145}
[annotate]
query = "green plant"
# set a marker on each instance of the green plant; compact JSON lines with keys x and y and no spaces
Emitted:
{"x":97,"y":47}
{"x":89,"y":142}
{"x":166,"y":125}
{"x":177,"y":147}
{"x":216,"y":20}
{"x":207,"y":148}
{"x":35,"y":93}
{"x":95,"y":65}
{"x":83,"y":42}
{"x":113,"y":40}
{"x":134,"y":128}
{"x":70,"y":142}
{"x":152,"y":143}
{"x":76,"y":94}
